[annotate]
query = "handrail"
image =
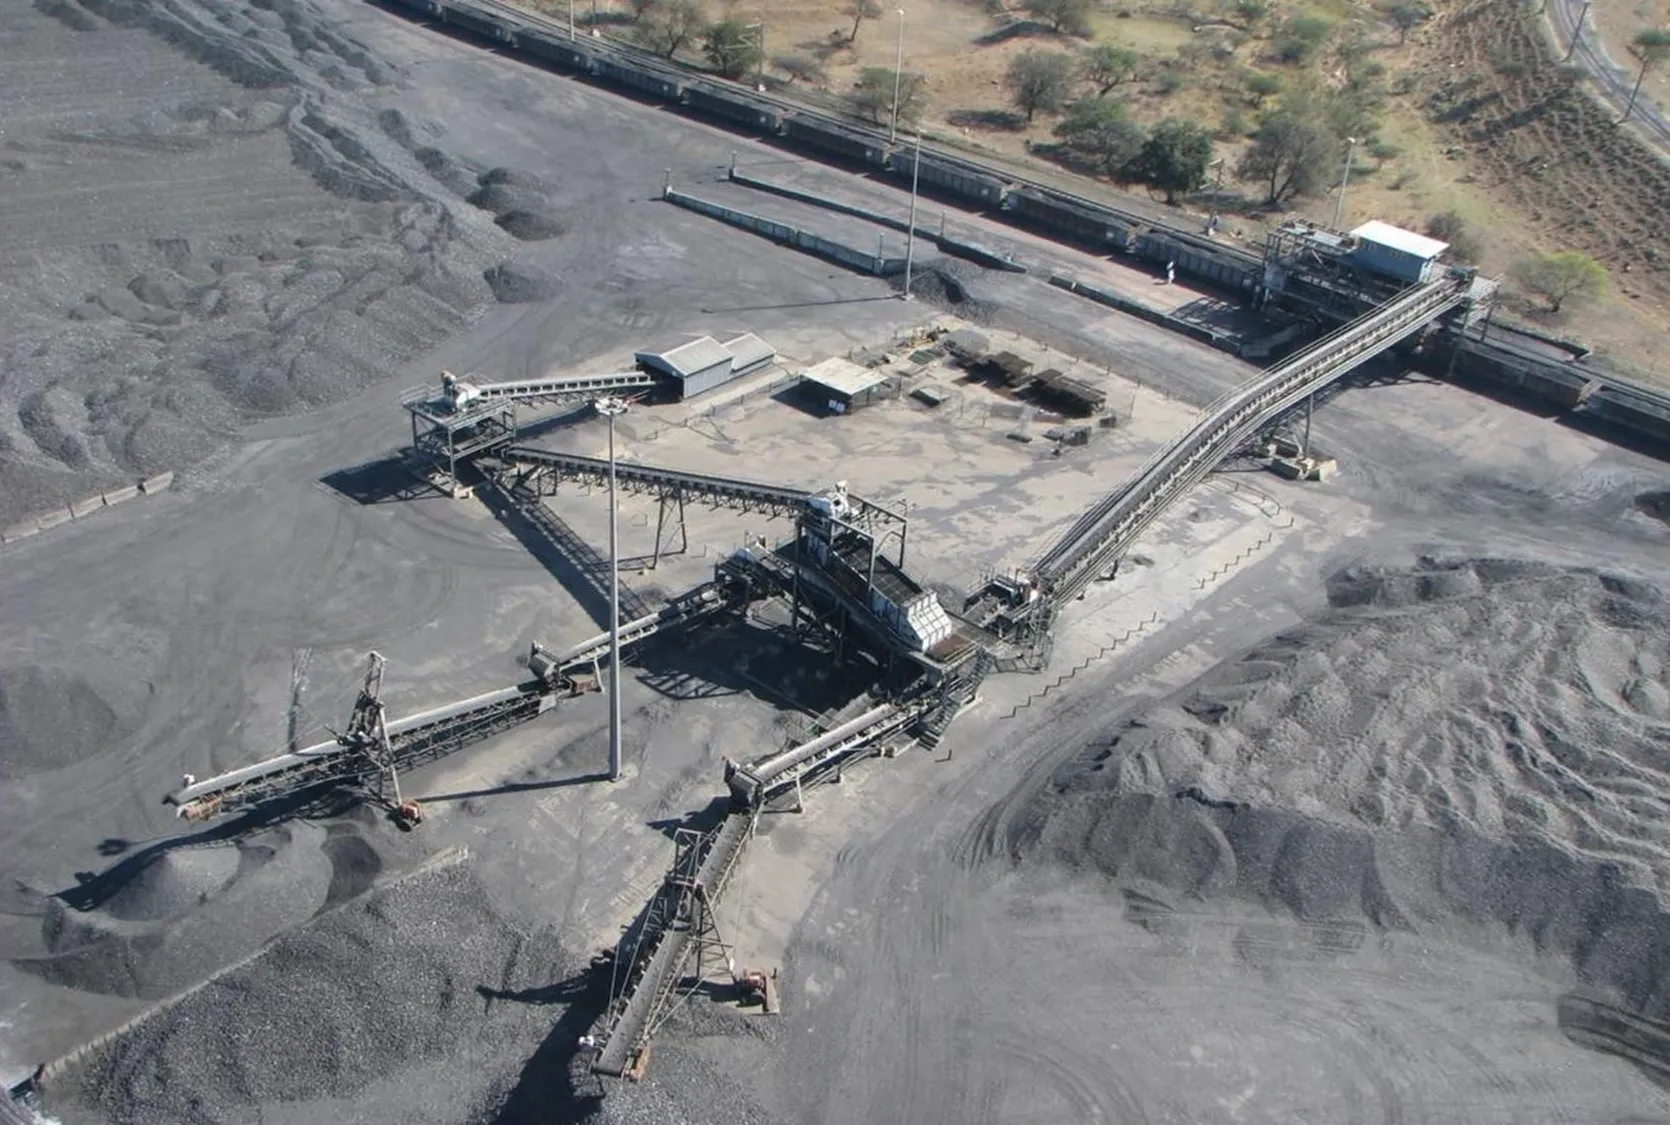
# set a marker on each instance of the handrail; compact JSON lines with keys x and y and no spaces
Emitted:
{"x":1129,"y":508}
{"x":635,"y":472}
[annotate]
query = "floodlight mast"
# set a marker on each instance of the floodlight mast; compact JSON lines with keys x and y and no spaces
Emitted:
{"x":612,"y":408}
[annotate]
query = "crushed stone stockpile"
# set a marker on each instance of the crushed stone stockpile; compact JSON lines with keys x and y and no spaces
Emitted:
{"x":1476,"y":749}
{"x":207,"y":223}
{"x":417,"y":999}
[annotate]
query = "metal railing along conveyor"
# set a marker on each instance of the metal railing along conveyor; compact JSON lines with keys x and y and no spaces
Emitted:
{"x":1115,"y":521}
{"x":727,"y":491}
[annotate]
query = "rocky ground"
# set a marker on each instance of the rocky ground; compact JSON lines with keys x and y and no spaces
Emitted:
{"x":1367,"y":828}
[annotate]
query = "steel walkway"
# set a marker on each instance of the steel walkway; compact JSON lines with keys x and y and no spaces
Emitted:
{"x":1110,"y":526}
{"x":728,"y":492}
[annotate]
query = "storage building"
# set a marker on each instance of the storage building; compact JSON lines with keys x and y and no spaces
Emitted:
{"x":1394,"y":252}
{"x":704,"y":363}
{"x":841,"y":385}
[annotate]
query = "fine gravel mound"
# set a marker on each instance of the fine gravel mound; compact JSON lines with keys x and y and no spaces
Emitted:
{"x":419,"y":997}
{"x":51,"y":716}
{"x":1473,"y":750}
{"x":521,"y":282}
{"x":169,"y":916}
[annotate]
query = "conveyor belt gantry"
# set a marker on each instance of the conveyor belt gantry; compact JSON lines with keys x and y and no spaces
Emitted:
{"x":1113,"y":523}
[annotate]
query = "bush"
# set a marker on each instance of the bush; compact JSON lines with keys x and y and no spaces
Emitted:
{"x":1299,"y":38}
{"x":1452,"y":228}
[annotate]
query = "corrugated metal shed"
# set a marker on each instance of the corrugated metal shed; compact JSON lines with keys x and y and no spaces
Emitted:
{"x":842,"y":381}
{"x":1403,"y":241}
{"x":749,"y":353}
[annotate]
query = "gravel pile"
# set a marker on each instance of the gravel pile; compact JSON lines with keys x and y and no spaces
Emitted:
{"x":945,"y":283}
{"x":521,"y":203}
{"x":1473,"y":748}
{"x":158,"y":322}
{"x":365,"y":1002}
{"x":516,"y":283}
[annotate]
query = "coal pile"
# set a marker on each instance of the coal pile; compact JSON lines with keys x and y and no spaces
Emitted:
{"x":515,"y":283}
{"x":291,"y":245}
{"x":1472,"y":749}
{"x":418,"y":997}
{"x":522,"y":204}
{"x":945,"y":283}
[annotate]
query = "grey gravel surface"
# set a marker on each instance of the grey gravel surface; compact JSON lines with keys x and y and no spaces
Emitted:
{"x":1348,"y":877}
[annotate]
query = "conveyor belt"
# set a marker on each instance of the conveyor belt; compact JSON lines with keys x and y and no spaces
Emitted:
{"x":1116,"y":520}
{"x":415,"y":739}
{"x":552,"y":667}
{"x":747,"y":495}
{"x":657,"y":964}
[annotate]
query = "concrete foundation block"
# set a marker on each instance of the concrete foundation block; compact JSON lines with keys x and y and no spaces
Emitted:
{"x":19,"y":531}
{"x":87,"y":507}
{"x":53,"y":519}
{"x":120,"y":495}
{"x":150,"y":486}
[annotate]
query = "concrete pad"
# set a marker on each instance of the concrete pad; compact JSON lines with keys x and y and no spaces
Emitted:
{"x":120,"y":495}
{"x":83,"y":508}
{"x":19,"y":531}
{"x":159,"y":483}
{"x":53,"y":519}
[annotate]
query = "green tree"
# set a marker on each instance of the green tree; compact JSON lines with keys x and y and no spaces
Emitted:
{"x":1065,"y":17}
{"x":1105,"y":66}
{"x":860,"y":10}
{"x":1175,"y":157}
{"x":667,"y":26}
{"x":1558,"y":278}
{"x":1293,"y":153}
{"x":873,"y":96}
{"x":1103,"y":133}
{"x":1650,"y":48}
{"x":1040,"y":80}
{"x":1406,"y":16}
{"x":733,"y":47}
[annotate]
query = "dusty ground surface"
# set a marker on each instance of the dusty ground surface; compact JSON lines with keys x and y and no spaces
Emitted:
{"x":1477,"y":107}
{"x":1006,"y":935}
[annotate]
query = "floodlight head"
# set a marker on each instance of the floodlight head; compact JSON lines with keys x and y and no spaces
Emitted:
{"x":610,"y":407}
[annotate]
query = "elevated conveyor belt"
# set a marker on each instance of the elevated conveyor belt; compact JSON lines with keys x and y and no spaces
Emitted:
{"x":554,"y":667}
{"x":656,"y":964}
{"x":655,"y":961}
{"x":460,"y":399}
{"x":414,"y":740}
{"x":746,"y":495}
{"x":1114,"y":522}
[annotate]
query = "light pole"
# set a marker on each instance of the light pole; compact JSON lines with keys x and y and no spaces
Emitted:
{"x":612,"y":408}
{"x":1345,"y":178}
{"x":898,"y":76}
{"x":910,"y":229}
{"x":1577,"y":31}
{"x":571,"y":20}
{"x":759,"y":75}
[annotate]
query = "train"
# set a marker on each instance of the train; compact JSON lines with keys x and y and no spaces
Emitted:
{"x":830,"y":137}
